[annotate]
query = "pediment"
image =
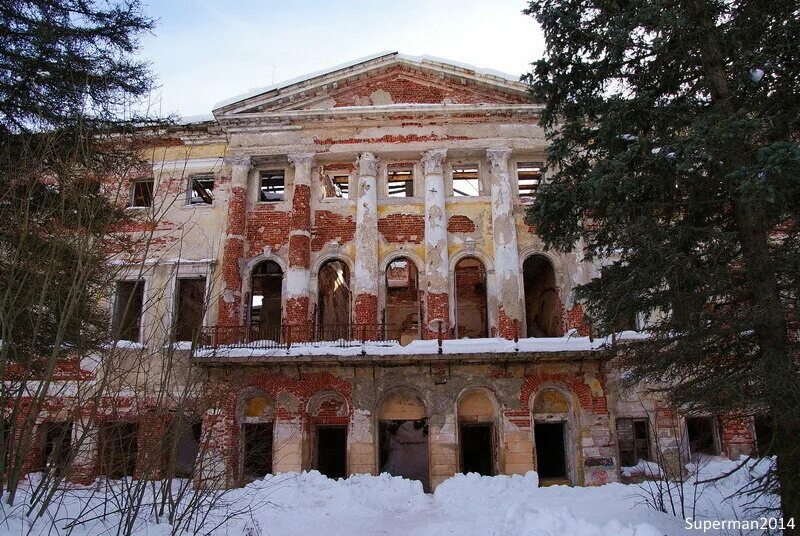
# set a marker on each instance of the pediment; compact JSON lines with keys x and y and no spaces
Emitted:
{"x":384,"y":80}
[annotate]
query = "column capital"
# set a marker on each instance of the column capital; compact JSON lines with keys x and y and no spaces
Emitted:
{"x":300,"y":159}
{"x":367,"y":165}
{"x":498,"y":157}
{"x":240,"y":162}
{"x":433,"y":161}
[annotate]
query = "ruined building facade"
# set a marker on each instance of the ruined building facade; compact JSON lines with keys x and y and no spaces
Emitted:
{"x":380,"y":205}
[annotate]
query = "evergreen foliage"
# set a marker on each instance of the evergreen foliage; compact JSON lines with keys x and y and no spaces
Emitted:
{"x":674,"y":161}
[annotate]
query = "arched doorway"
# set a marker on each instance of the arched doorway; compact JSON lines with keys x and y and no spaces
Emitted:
{"x":476,"y":433}
{"x":472,"y":316}
{"x":551,"y":411}
{"x":403,"y":438}
{"x":333,"y":300}
{"x":257,"y":416}
{"x":402,"y":300}
{"x":541,"y":298}
{"x":266,"y":288}
{"x":329,"y":416}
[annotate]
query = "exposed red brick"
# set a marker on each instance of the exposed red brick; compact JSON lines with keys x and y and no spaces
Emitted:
{"x":460,"y":224}
{"x":402,"y":228}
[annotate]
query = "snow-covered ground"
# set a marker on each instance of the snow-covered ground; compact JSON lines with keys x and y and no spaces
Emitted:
{"x":308,"y":504}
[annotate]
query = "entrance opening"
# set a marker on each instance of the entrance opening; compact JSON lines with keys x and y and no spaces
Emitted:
{"x":57,"y":444}
{"x":634,"y":441}
{"x":765,"y":435}
{"x":257,"y":461}
{"x":333,"y":301}
{"x":541,"y":297}
{"x":472,"y":318}
{"x":118,"y":446}
{"x":184,"y":445}
{"x":265,"y":299}
{"x":551,"y":459}
{"x":702,"y":434}
{"x":404,"y":449}
{"x":332,"y":451}
{"x":402,"y":299}
{"x":476,"y":448}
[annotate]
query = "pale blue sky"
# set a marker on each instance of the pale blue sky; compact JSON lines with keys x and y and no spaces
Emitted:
{"x":205,"y":51}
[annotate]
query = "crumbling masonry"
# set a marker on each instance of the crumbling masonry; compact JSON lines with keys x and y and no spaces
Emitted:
{"x":382,"y":200}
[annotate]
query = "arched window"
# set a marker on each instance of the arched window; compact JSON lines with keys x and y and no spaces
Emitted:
{"x":265,"y":297}
{"x":472,"y":318}
{"x":402,"y":300}
{"x":541,"y":298}
{"x":333,"y":300}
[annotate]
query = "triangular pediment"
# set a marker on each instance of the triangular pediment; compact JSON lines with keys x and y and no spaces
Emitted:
{"x":379,"y":81}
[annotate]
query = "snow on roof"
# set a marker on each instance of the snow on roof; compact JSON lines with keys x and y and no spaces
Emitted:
{"x":568,"y":343}
{"x":423,"y":59}
{"x":193,"y":119}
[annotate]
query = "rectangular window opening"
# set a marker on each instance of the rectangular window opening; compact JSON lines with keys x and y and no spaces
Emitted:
{"x":273,"y":186}
{"x":466,"y":180}
{"x":702,"y":435}
{"x":142,"y":194}
{"x":529,"y":177}
{"x":337,"y":185}
{"x":128,"y":310}
{"x":201,"y":189}
{"x":190,"y":302}
{"x":183,"y":446}
{"x":400,"y":180}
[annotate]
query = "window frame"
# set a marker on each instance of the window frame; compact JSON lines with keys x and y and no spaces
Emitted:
{"x":403,"y":167}
{"x":117,"y":314}
{"x":203,"y":280}
{"x":479,"y":169}
{"x":262,"y":174}
{"x":132,"y":199}
{"x":199,"y":200}
{"x":532,"y":163}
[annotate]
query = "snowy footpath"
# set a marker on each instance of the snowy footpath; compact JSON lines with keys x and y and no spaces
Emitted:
{"x":308,"y":504}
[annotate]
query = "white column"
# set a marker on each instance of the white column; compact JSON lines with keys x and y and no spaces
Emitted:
{"x":297,"y":275}
{"x":366,"y":237}
{"x":437,"y":306}
{"x":506,"y":251}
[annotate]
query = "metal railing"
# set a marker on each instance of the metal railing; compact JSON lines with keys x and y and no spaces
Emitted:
{"x":288,"y":335}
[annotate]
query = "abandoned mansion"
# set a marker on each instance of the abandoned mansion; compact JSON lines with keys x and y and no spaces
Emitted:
{"x":339,"y":277}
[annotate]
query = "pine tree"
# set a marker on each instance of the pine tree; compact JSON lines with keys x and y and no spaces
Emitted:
{"x":675,"y":162}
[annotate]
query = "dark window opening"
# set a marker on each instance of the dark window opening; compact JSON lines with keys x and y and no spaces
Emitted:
{"x":634,"y":441}
{"x":333,"y":301}
{"x":128,"y":310}
{"x":142,"y":193}
{"x":472,"y":316}
{"x":201,"y":189}
{"x":190,"y":308}
{"x":702,"y":432}
{"x":183,"y":445}
{"x":466,"y":180}
{"x":402,"y":300}
{"x":273,"y":185}
{"x":403,"y":449}
{"x":541,"y":298}
{"x":476,"y":449}
{"x":118,"y":448}
{"x":257,"y":461}
{"x":529,"y":178}
{"x":265,"y":300}
{"x":332,"y":451}
{"x":337,"y":185}
{"x":765,"y":435}
{"x":400,"y":180}
{"x":57,"y":444}
{"x":551,"y":456}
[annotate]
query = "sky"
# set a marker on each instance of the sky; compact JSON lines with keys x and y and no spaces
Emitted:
{"x":205,"y":51}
